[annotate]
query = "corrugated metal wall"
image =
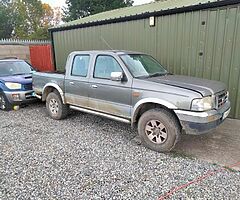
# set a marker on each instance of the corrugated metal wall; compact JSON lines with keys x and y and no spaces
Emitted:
{"x":202,"y":43}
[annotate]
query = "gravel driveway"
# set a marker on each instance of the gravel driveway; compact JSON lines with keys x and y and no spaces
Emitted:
{"x":89,"y":157}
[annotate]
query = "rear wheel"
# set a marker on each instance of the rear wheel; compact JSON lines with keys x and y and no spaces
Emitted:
{"x":159,"y":130}
{"x":4,"y":103}
{"x":55,"y":107}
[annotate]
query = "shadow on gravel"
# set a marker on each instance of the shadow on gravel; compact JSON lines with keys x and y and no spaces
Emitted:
{"x":218,"y":147}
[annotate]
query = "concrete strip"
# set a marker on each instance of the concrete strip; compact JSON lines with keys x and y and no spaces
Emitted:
{"x":221,"y":146}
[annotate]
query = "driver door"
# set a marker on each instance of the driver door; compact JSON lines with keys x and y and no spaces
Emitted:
{"x":105,"y":95}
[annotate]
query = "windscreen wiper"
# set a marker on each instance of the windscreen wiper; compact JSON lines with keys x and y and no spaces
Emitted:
{"x":20,"y":74}
{"x":157,"y":74}
{"x":154,"y":75}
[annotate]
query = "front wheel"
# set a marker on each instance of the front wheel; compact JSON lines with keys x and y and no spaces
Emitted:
{"x":4,"y":103}
{"x":159,"y":130}
{"x":55,"y":107}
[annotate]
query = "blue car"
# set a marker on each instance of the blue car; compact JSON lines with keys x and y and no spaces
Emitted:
{"x":15,"y":83}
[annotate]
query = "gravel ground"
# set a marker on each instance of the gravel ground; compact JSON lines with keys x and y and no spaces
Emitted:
{"x":89,"y":157}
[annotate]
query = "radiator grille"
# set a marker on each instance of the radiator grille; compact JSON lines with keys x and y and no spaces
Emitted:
{"x":222,"y":99}
{"x":27,"y":87}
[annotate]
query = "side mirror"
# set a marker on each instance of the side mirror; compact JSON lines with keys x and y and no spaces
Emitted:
{"x":116,"y":76}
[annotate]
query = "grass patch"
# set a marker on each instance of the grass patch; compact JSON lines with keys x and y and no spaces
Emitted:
{"x":230,"y":169}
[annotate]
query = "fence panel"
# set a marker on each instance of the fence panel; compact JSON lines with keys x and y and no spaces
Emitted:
{"x":41,"y":57}
{"x":23,"y":42}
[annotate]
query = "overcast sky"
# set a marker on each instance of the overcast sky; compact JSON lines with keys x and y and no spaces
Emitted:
{"x":138,"y":2}
{"x":61,"y":3}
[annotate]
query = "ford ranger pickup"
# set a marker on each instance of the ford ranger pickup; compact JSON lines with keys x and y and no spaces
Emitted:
{"x":134,"y":88}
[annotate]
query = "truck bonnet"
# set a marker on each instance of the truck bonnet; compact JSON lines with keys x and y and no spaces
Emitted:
{"x":203,"y":86}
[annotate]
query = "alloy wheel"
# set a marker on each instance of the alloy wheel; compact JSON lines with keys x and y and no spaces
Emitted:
{"x":156,"y":132}
{"x":53,"y":106}
{"x":2,"y":102}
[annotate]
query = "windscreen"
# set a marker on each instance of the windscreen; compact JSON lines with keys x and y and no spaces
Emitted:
{"x":141,"y":65}
{"x":9,"y":68}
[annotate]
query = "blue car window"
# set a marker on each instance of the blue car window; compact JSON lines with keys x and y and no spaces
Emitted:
{"x":11,"y":68}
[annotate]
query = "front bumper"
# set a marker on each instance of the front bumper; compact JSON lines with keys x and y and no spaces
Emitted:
{"x":196,"y":123}
{"x":20,"y":97}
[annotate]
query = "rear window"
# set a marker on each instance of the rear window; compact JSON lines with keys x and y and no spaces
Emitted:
{"x":80,"y":65}
{"x":11,"y":68}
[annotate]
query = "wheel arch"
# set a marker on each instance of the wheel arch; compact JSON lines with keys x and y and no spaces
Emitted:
{"x":150,"y":103}
{"x":50,"y":87}
{"x":1,"y":86}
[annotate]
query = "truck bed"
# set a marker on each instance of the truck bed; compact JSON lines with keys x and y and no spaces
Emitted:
{"x":40,"y":79}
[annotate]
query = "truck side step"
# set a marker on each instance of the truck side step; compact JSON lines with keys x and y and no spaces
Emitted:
{"x":120,"y":119}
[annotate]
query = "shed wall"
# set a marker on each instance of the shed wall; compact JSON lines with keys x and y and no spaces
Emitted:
{"x":203,"y":43}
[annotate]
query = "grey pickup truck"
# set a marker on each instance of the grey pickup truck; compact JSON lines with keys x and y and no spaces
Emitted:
{"x":134,"y":88}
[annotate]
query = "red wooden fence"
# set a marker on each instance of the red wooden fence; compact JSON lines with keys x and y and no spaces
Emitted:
{"x":41,"y":57}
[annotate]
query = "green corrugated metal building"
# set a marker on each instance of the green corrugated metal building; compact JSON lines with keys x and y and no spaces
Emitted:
{"x":190,"y":37}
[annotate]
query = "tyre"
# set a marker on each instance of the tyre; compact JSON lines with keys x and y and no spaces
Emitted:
{"x":55,"y":107}
{"x":4,"y":103}
{"x":159,"y":130}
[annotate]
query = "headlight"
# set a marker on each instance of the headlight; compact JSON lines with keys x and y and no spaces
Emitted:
{"x":206,"y":103}
{"x":227,"y":95}
{"x":13,"y":86}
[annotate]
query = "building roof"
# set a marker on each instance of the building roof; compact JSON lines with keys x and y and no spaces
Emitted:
{"x":144,"y":11}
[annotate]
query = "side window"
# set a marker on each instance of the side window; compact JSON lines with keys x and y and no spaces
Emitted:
{"x":104,"y":66}
{"x":80,"y":65}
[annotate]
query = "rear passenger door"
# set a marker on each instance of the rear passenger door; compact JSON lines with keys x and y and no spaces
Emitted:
{"x":77,"y":81}
{"x":105,"y":95}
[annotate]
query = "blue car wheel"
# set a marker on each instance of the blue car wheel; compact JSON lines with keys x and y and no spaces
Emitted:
{"x":4,"y":103}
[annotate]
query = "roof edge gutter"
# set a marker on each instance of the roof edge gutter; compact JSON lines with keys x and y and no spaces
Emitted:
{"x":149,"y":14}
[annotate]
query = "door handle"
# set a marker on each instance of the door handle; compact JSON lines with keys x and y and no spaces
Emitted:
{"x":71,"y":83}
{"x":94,"y":86}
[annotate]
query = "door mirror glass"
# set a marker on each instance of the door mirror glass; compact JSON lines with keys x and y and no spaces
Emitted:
{"x":116,"y":76}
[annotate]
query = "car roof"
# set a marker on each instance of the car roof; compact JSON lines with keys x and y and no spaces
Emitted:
{"x":10,"y":60}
